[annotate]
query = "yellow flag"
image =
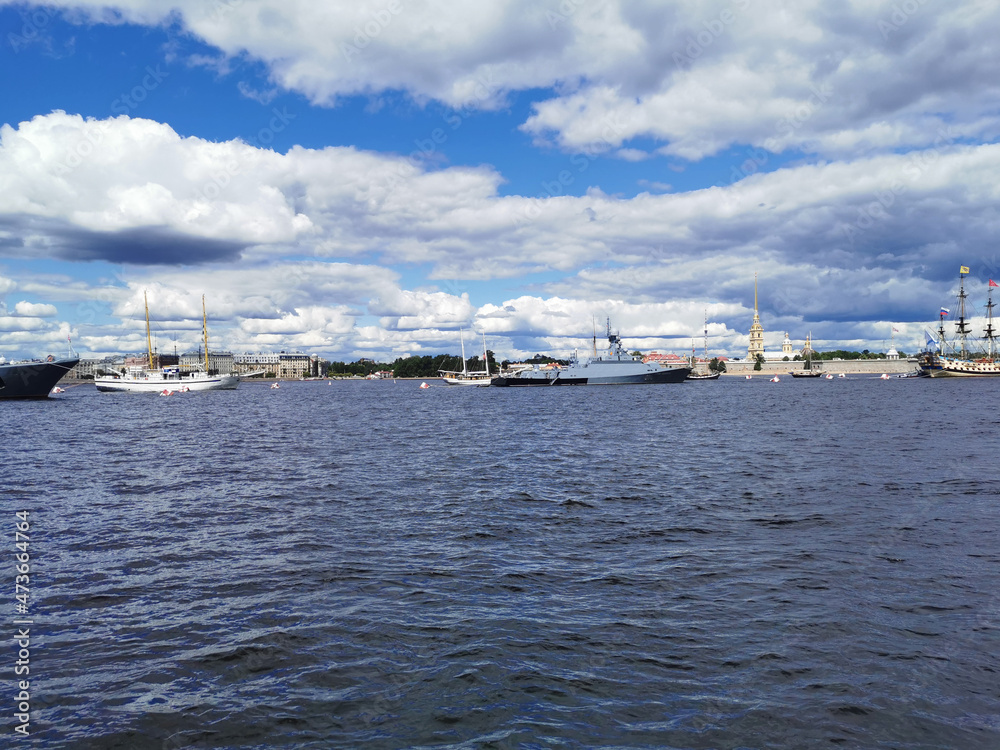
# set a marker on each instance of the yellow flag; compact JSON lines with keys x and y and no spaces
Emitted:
{"x":963,"y":269}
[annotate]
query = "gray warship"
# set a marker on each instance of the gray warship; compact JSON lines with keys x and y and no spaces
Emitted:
{"x":34,"y":379}
{"x":616,"y":367}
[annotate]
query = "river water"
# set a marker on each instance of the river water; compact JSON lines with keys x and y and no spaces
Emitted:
{"x":729,"y":564}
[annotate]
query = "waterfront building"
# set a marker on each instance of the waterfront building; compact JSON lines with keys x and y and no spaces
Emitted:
{"x":222,"y":363}
{"x":281,"y":364}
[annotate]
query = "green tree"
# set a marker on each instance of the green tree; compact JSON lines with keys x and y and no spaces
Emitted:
{"x":717,"y":365}
{"x":759,"y":364}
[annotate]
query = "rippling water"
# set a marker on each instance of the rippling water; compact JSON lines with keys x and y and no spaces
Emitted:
{"x":727,"y":564}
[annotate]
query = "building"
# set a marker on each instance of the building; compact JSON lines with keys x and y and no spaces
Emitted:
{"x":756,"y":347}
{"x":280,"y":365}
{"x":786,"y":347}
{"x":222,"y":363}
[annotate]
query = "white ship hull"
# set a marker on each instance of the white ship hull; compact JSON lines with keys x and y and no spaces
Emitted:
{"x":949,"y":367}
{"x":459,"y":379}
{"x":155,"y":382}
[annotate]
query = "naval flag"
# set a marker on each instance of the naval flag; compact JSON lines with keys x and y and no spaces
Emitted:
{"x":963,"y":269}
{"x":931,"y":341}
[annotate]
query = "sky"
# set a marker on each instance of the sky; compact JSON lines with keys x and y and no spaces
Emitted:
{"x":371,"y":179}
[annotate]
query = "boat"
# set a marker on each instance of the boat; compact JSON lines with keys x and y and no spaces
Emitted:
{"x":808,"y":371}
{"x":140,"y":379}
{"x":33,"y":378}
{"x":616,"y":367}
{"x":478,"y":377}
{"x":693,"y":375}
{"x":962,"y":361}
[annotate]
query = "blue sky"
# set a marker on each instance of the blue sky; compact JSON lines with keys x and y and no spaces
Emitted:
{"x":367,"y":179}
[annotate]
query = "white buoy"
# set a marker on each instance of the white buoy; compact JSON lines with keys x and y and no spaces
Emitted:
{"x":775,"y":379}
{"x":748,"y":377}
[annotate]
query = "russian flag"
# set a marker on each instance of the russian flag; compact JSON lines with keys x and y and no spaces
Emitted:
{"x":945,"y":311}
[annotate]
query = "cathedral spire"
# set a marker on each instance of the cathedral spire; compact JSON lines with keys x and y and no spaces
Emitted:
{"x":756,"y":348}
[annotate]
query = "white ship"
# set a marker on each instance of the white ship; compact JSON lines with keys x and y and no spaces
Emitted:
{"x":477,"y":377}
{"x":170,"y":379}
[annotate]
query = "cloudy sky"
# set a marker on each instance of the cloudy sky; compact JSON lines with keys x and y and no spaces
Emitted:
{"x":368,"y":178}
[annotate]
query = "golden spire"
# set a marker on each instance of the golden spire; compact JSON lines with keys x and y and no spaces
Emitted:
{"x":756,"y":312}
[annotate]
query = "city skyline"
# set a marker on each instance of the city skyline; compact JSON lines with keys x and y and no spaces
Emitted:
{"x":366,"y":180}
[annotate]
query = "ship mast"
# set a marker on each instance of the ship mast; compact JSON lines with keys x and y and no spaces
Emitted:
{"x":204,"y":329}
{"x":989,"y":335}
{"x":465,"y":369}
{"x":706,"y":335}
{"x":961,"y":327}
{"x":149,"y":339}
{"x":486,"y":359}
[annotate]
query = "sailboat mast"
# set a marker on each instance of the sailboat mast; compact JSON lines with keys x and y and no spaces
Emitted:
{"x":486,"y":358}
{"x":149,"y":339}
{"x":465,"y":369}
{"x":961,"y":328}
{"x":706,"y":335}
{"x":989,"y":335}
{"x":204,"y":328}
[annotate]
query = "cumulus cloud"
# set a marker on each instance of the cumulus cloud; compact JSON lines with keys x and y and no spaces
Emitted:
{"x":886,"y":225}
{"x":696,"y":77}
{"x":33,"y":310}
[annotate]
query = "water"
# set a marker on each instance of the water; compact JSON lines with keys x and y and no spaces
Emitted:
{"x":727,"y":564}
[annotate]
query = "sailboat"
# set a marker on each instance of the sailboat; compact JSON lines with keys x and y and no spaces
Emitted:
{"x":808,"y":371}
{"x":702,"y":375}
{"x":478,"y":377}
{"x":963,"y":361}
{"x":139,"y":379}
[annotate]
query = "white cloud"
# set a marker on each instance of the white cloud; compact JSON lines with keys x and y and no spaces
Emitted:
{"x":33,"y":310}
{"x":696,"y":77}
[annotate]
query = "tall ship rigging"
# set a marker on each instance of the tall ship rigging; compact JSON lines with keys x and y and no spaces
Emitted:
{"x":695,"y":374}
{"x":958,"y":358}
{"x":151,"y":379}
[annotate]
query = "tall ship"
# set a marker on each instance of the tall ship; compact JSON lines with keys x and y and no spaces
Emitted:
{"x":959,"y":357}
{"x":615,"y":367}
{"x":465,"y":377}
{"x":33,"y":379}
{"x":139,"y":379}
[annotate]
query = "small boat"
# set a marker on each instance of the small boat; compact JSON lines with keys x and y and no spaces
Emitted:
{"x":57,"y":389}
{"x":749,"y":377}
{"x":275,"y":386}
{"x":808,"y":371}
{"x":424,"y":385}
{"x":884,"y":376}
{"x":702,"y":375}
{"x":841,"y":375}
{"x":829,"y":376}
{"x":775,"y":379}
